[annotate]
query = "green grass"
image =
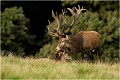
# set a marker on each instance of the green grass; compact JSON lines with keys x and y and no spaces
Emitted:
{"x":29,"y":68}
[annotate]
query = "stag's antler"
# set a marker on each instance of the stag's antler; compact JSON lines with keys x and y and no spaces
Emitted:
{"x":57,"y":30}
{"x":74,"y":15}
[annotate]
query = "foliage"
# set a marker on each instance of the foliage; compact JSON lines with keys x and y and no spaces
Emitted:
{"x":14,"y":30}
{"x":65,"y":2}
{"x":48,"y":50}
{"x":93,"y":5}
{"x":43,"y":68}
{"x":104,"y":20}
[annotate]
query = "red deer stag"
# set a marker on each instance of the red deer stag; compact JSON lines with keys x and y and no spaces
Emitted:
{"x":81,"y":42}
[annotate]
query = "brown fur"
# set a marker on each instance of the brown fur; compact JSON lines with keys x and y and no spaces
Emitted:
{"x":82,"y":42}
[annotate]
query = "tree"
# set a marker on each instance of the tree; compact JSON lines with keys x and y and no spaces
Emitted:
{"x":15,"y":35}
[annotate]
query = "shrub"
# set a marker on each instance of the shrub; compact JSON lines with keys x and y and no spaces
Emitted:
{"x":15,"y":35}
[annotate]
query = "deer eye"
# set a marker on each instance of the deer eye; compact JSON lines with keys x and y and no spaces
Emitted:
{"x":63,"y":41}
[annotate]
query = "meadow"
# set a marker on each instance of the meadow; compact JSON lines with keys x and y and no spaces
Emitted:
{"x":43,"y":68}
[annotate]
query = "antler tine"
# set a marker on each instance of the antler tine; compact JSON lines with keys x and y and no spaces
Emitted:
{"x":83,"y":8}
{"x":53,"y":14}
{"x":78,"y":10}
{"x":64,"y":11}
{"x":71,"y":11}
{"x":49,"y":21}
{"x":78,"y":7}
{"x":56,"y":14}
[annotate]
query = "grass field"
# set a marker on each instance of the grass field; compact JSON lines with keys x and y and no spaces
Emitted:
{"x":29,"y":68}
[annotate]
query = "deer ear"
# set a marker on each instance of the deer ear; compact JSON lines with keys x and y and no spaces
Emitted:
{"x":67,"y":37}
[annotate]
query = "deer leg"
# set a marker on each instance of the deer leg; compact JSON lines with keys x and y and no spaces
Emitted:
{"x":82,"y":56}
{"x":92,"y":55}
{"x":88,"y":55}
{"x":97,"y":52}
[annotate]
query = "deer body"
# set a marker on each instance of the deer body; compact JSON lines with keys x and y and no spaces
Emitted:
{"x":82,"y":42}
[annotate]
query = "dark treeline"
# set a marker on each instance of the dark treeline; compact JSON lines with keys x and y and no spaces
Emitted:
{"x":38,"y":12}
